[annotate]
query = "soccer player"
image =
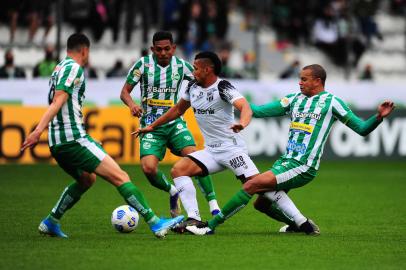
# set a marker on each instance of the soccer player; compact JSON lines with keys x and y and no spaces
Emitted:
{"x":213,"y":101}
{"x":75,"y":151}
{"x":313,"y":112}
{"x":160,"y":76}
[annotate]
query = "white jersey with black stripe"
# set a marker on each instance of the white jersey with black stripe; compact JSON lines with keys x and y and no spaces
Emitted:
{"x":214,"y":112}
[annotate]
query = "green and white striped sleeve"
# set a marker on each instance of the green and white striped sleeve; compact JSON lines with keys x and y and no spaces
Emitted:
{"x":188,"y":71}
{"x":343,"y":113}
{"x":135,"y":73}
{"x":67,"y":76}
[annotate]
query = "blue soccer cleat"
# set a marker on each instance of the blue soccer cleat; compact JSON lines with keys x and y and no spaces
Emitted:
{"x":161,"y":228}
{"x":174,"y":205}
{"x":46,"y":227}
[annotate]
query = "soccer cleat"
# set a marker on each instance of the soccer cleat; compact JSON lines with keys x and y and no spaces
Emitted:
{"x":310,"y":228}
{"x":215,"y":212}
{"x":199,"y":230}
{"x":161,"y":228}
{"x":289,"y":229}
{"x":174,"y":204}
{"x":46,"y":227}
{"x":181,"y":227}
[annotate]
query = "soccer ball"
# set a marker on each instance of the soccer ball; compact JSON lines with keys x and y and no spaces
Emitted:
{"x":124,"y":219}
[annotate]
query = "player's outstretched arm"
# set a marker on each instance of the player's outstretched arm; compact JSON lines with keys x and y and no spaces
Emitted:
{"x":271,"y":109}
{"x":125,"y":96}
{"x":364,"y":127}
{"x":173,"y":113}
{"x":243,"y":106}
{"x":59,"y":99}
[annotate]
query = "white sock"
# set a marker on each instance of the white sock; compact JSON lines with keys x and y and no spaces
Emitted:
{"x":173,"y":190}
{"x":187,"y":194}
{"x":286,"y":205}
{"x":213,"y":205}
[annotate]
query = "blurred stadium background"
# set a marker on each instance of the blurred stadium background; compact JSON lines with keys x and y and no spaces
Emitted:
{"x":263,"y":45}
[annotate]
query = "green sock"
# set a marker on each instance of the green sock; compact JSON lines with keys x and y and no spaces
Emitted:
{"x":133,"y":196}
{"x":160,"y":181}
{"x":235,"y":204}
{"x":69,"y":197}
{"x":205,"y":184}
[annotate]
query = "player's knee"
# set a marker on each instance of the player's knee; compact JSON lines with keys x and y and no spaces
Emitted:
{"x":120,"y":177}
{"x":250,"y":187}
{"x":178,"y":170}
{"x":259,"y":205}
{"x":149,"y":169}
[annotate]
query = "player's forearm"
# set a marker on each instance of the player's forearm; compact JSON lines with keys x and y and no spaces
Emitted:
{"x":363,"y":127}
{"x":267,"y":110}
{"x":170,"y":115}
{"x":246,"y":115}
{"x":47,"y":116}
{"x":127,"y":99}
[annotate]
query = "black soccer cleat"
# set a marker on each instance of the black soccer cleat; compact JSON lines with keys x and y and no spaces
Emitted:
{"x":310,"y":228}
{"x":181,"y":227}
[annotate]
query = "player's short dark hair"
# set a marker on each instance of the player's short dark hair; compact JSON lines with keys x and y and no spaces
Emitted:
{"x":213,"y":58}
{"x":162,"y":35}
{"x":77,"y":41}
{"x":317,"y":72}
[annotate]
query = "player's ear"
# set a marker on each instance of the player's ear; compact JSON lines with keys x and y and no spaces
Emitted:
{"x":174,"y":47}
{"x":152,"y":48}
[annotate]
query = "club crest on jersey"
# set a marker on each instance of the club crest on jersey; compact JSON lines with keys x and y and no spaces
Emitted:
{"x":175,"y":77}
{"x":210,"y":96}
{"x":150,"y":74}
{"x":321,"y":104}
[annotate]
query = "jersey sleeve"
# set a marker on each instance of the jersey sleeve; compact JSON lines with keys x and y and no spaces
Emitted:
{"x":227,"y":92}
{"x":67,"y":77}
{"x":186,"y":94}
{"x":268,"y":110}
{"x":188,"y":71}
{"x":135,"y":73}
{"x":343,"y":113}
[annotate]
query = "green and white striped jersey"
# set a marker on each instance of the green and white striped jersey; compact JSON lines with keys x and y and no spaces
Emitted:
{"x":67,"y":125}
{"x":311,"y":121}
{"x":159,"y":86}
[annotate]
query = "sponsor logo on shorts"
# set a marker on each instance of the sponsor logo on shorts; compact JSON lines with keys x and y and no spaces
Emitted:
{"x":179,"y":126}
{"x":146,"y":145}
{"x":238,"y":162}
{"x":149,"y":136}
{"x":187,"y":138}
{"x":296,"y":147}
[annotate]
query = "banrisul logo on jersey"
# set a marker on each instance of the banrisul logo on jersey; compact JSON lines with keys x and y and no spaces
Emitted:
{"x":154,"y":89}
{"x":305,"y":115}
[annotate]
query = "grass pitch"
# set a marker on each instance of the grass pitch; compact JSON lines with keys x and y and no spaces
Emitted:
{"x":359,"y":206}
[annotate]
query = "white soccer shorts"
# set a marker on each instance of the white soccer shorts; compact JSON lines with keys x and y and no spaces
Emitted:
{"x":239,"y":162}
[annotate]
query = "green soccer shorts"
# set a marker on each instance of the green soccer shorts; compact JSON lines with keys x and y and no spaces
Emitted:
{"x":174,"y":136}
{"x":292,"y":174}
{"x":77,"y":156}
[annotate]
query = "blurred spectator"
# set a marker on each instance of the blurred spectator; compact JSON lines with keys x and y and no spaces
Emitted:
{"x":47,"y":65}
{"x":9,"y":70}
{"x":192,"y":31}
{"x":39,"y":13}
{"x":292,"y":71}
{"x":12,"y":10}
{"x":90,"y":72}
{"x":367,"y":73}
{"x":365,"y":11}
{"x":226,"y":70}
{"x":117,"y":70}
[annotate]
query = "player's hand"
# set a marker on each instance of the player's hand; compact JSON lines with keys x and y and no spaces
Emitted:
{"x":237,"y":127}
{"x":140,"y":131}
{"x":385,"y":109}
{"x":136,"y":110}
{"x":31,"y":140}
